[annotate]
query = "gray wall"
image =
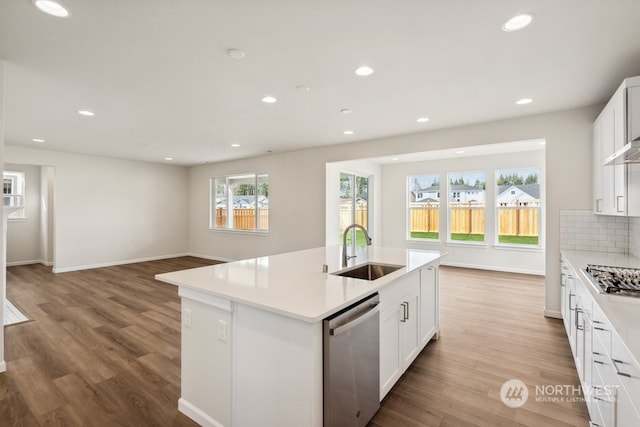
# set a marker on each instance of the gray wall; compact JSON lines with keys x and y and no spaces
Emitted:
{"x":23,"y":235}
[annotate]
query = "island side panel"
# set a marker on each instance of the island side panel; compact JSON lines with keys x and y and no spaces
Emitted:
{"x":277,"y":371}
{"x":206,"y":362}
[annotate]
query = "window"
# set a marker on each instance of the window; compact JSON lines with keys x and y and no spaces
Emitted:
{"x":518,"y":206}
{"x":13,"y":193}
{"x":354,"y":205}
{"x":424,"y":206}
{"x":240,"y":202}
{"x":467,"y":206}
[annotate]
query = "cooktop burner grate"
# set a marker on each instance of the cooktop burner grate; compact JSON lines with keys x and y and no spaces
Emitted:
{"x":616,"y":280}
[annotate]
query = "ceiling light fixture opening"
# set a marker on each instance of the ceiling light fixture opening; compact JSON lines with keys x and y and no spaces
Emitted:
{"x":235,"y":145}
{"x":38,"y":140}
{"x":168,"y":158}
{"x":524,"y":101}
{"x":269,"y":99}
{"x":346,"y":111}
{"x":460,"y":152}
{"x":52,"y":8}
{"x":422,"y":119}
{"x":303,"y":88}
{"x":86,"y":113}
{"x":235,"y":53}
{"x":518,"y":22}
{"x":348,"y":132}
{"x":364,"y":71}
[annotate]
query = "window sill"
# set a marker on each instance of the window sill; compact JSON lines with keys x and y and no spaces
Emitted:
{"x":521,"y":248}
{"x":467,"y":244}
{"x":424,"y":241}
{"x":247,"y":232}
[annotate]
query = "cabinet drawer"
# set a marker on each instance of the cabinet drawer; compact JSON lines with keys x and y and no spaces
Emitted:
{"x":627,"y":372}
{"x":397,"y":290}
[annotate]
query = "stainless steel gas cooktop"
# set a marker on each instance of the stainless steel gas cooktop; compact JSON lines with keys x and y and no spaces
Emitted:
{"x":615,"y":280}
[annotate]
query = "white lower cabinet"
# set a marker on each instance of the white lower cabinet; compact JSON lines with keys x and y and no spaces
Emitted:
{"x":608,"y":374}
{"x":408,"y":320}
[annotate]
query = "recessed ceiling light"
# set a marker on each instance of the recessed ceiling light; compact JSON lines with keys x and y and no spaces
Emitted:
{"x":37,"y":140}
{"x":395,"y":158}
{"x":235,"y":53}
{"x":235,"y":145}
{"x":269,"y":99}
{"x":524,"y":101}
{"x":168,"y":158}
{"x":364,"y":71}
{"x":460,"y":152}
{"x":348,"y":132}
{"x":52,"y":8}
{"x":87,"y":113}
{"x":346,"y":111}
{"x":422,"y":119}
{"x":517,"y":22}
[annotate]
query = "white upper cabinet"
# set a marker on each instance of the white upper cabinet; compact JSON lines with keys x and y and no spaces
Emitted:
{"x":613,"y":131}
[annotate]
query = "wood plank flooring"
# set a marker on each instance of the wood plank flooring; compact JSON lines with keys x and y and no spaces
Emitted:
{"x":492,"y":330}
{"x":103,"y":349}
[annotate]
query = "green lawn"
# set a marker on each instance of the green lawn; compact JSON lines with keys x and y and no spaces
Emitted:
{"x":425,"y":235}
{"x":360,"y":240}
{"x":519,"y":240}
{"x":467,"y":237}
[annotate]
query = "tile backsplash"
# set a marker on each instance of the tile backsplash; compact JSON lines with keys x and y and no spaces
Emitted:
{"x":581,"y":230}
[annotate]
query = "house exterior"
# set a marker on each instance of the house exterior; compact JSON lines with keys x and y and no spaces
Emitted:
{"x":519,"y":195}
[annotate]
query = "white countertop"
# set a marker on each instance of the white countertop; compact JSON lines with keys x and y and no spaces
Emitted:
{"x":293,"y":284}
{"x":623,"y":312}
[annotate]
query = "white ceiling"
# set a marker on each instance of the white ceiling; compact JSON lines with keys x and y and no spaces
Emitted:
{"x":158,"y":78}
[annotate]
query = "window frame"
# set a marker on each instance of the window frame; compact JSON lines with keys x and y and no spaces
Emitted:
{"x":520,"y":246}
{"x":17,"y":194}
{"x":409,"y":191}
{"x":227,"y":181}
{"x":457,"y":194}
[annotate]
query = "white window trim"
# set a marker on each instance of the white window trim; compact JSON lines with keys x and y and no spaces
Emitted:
{"x":212,"y":197}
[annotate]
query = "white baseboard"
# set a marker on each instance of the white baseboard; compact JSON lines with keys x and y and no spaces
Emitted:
{"x":114,"y":263}
{"x":28,"y":262}
{"x":494,"y":268}
{"x":196,"y":414}
{"x":552,"y":313}
{"x":213,"y":258}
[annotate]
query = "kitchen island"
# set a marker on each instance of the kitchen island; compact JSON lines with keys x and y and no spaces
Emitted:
{"x":252,"y":330}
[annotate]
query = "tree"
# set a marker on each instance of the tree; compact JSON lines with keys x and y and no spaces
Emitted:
{"x":531,"y":179}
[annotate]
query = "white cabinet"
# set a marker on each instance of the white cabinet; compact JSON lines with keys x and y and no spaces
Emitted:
{"x":610,"y":182}
{"x":608,"y":373}
{"x":428,"y":303}
{"x":399,"y":334}
{"x":408,"y":320}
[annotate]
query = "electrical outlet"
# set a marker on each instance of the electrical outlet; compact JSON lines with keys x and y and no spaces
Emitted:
{"x":186,"y":320}
{"x":222,"y":330}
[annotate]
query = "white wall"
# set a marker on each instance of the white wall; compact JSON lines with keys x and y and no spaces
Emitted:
{"x":3,"y":258}
{"x":485,"y":256}
{"x":298,"y":184}
{"x":110,"y":211}
{"x":47,"y":212}
{"x":23,"y":235}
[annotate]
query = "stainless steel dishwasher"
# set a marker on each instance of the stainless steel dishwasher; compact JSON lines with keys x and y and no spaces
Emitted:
{"x":351,"y":347}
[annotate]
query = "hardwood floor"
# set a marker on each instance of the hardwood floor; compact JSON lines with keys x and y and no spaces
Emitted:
{"x":103,"y":349}
{"x":492,"y":330}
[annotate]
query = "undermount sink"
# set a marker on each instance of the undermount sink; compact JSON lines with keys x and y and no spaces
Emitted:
{"x":368,"y":271}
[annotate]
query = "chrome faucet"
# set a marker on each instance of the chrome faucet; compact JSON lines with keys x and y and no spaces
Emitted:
{"x":345,"y":257}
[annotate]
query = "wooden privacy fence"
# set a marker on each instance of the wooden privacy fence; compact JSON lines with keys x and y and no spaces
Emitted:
{"x":244,"y":218}
{"x":346,"y":219}
{"x":512,"y":221}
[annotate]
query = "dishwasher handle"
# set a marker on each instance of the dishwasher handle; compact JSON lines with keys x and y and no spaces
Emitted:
{"x":373,"y":310}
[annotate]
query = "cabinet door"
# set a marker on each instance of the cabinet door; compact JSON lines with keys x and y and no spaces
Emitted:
{"x":619,"y":140}
{"x":598,"y":197}
{"x":428,"y":304}
{"x":625,"y":412}
{"x":390,"y":357}
{"x":410,"y":328}
{"x":608,"y":147}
